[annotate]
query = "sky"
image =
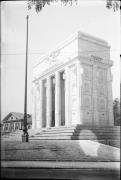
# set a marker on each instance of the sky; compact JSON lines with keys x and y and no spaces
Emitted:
{"x":47,"y":29}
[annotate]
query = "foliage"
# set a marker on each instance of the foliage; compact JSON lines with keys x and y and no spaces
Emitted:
{"x":39,"y":4}
{"x":116,"y":111}
{"x":114,"y":4}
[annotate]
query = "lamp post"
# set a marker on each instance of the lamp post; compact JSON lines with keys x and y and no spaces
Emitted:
{"x":25,"y":135}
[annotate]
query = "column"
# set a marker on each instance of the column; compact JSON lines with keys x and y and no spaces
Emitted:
{"x":95,"y":119}
{"x":79,"y":83}
{"x":67,"y":123}
{"x":109,"y":98}
{"x":57,"y":99}
{"x":33,"y":107}
{"x":49,"y":102}
{"x":41,"y":103}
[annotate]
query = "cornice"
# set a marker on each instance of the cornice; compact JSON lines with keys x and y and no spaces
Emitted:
{"x":78,"y":35}
{"x":93,"y":39}
{"x":58,"y":67}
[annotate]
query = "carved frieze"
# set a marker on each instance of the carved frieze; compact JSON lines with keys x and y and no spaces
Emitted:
{"x":87,"y":115}
{"x":101,"y":90}
{"x":86,"y":87}
{"x":101,"y":75}
{"x":87,"y":74}
{"x":86,"y":102}
{"x":96,"y":58}
{"x":102,"y":118}
{"x":52,"y":58}
{"x":101,"y":104}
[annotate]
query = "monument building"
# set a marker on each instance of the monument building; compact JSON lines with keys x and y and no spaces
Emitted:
{"x":73,"y":84}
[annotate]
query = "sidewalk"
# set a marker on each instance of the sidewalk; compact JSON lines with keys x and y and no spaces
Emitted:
{"x":60,"y":159}
{"x":58,"y":150}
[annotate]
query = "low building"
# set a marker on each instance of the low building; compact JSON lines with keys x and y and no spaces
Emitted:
{"x":14,"y":121}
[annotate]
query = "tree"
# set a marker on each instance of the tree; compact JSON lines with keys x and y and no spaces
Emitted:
{"x":116,"y":112}
{"x":114,"y":4}
{"x":39,"y":4}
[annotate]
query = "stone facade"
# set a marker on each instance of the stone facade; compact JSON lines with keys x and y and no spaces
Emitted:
{"x":73,"y":84}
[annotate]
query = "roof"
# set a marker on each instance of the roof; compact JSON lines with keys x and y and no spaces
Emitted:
{"x":17,"y":115}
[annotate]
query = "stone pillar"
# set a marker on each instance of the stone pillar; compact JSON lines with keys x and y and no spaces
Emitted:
{"x":33,"y":107}
{"x":41,"y":103}
{"x":57,"y":99}
{"x":49,"y":102}
{"x":109,"y":98}
{"x":79,"y":83}
{"x":67,"y":122}
{"x":95,"y":119}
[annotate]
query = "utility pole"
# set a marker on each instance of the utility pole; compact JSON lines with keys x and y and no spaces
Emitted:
{"x":25,"y":135}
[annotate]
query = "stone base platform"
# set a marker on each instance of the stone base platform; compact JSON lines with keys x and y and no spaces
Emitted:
{"x":106,"y":135}
{"x":61,"y":170}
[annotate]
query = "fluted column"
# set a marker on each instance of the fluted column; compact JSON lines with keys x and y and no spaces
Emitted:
{"x":79,"y":84}
{"x":49,"y":102}
{"x":95,"y":119}
{"x":57,"y":99}
{"x":67,"y":122}
{"x":41,"y":103}
{"x":33,"y":107}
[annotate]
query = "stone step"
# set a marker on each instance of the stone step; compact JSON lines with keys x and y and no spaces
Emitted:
{"x":50,"y":137}
{"x":80,"y":132}
{"x":89,"y":135}
{"x":77,"y":129}
{"x":81,"y":127}
{"x":103,"y":136}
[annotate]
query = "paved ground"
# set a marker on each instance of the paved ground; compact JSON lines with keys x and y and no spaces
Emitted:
{"x":58,"y":150}
{"x":59,"y":159}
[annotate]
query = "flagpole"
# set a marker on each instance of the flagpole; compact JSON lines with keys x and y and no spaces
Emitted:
{"x":25,"y":135}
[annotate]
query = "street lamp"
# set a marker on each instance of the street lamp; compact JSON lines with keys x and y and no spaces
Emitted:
{"x":25,"y":135}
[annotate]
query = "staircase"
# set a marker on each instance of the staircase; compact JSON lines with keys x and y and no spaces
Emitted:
{"x":106,"y":135}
